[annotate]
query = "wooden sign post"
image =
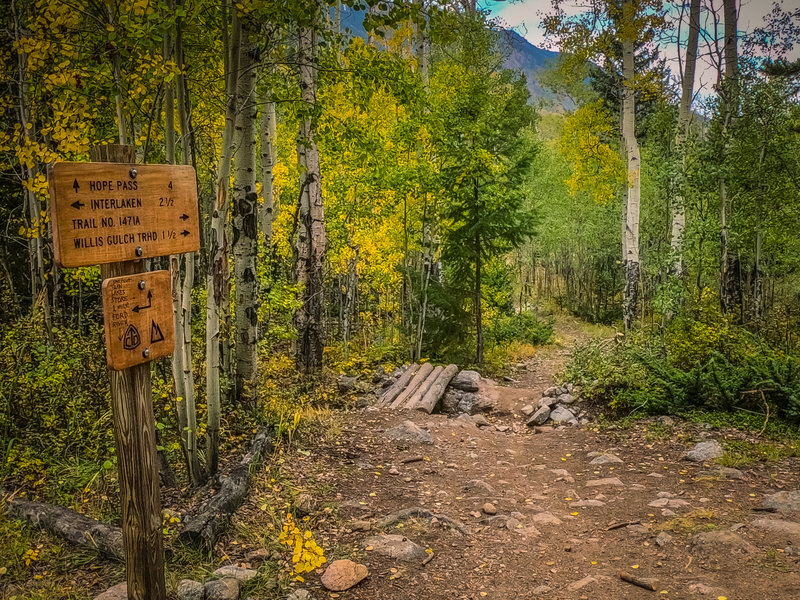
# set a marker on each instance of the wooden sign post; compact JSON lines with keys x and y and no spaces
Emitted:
{"x":115,"y":215}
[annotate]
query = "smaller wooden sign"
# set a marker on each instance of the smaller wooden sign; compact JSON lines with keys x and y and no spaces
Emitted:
{"x":137,"y":310}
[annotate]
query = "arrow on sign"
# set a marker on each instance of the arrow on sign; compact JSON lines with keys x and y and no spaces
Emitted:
{"x":184,"y":233}
{"x":75,"y":186}
{"x":77,"y":204}
{"x":183,"y":217}
{"x":136,"y":309}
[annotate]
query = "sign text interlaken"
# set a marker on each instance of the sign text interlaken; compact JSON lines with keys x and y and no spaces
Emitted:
{"x":114,"y":212}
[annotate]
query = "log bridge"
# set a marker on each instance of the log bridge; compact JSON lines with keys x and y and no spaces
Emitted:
{"x":420,"y":387}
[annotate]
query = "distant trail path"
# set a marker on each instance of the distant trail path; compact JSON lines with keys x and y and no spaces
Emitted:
{"x":565,"y":524}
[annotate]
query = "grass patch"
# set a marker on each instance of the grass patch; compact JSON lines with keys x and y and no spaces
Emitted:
{"x":776,"y":560}
{"x":658,"y":431}
{"x":692,"y":522}
{"x":739,"y":453}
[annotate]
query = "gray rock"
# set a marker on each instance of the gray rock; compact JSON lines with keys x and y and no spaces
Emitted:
{"x":663,"y":538}
{"x":788,"y":530}
{"x":730,"y":473}
{"x":473,"y":404}
{"x":545,"y":518}
{"x":540,"y":416}
{"x":587,"y":504}
{"x":783,"y":501}
{"x":238,"y":573}
{"x":395,"y":546}
{"x":346,"y":383}
{"x":540,"y":590}
{"x":551,"y":392}
{"x":118,"y":592}
{"x":300,"y":594}
{"x":450,"y":401}
{"x":566,"y":399}
{"x":560,"y":415}
{"x":569,"y":388}
{"x":480,"y":421}
{"x":547,"y":401}
{"x":478,"y":487}
{"x":581,"y":583}
{"x":668,"y":421}
{"x":188,"y":589}
{"x":606,"y":459}
{"x":466,"y":381}
{"x":409,"y":432}
{"x":527,"y":410}
{"x":705,"y":451}
{"x":669,"y":503}
{"x":223,"y":589}
{"x":613,"y":481}
{"x":721,"y":543}
{"x":665,"y":495}
{"x":703,"y":589}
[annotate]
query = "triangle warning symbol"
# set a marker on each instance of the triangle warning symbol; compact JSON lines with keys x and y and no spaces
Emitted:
{"x":156,"y":334}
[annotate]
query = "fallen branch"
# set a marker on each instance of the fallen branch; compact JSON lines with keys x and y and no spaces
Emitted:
{"x":623,"y":524}
{"x":636,"y":581}
{"x":214,"y":515}
{"x":77,"y":529}
{"x":428,"y":559}
{"x":412,"y":459}
{"x":421,"y":513}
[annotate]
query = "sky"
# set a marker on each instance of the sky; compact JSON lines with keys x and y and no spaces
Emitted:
{"x":524,"y":16}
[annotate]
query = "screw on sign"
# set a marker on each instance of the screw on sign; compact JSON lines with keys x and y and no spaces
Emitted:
{"x":114,"y":213}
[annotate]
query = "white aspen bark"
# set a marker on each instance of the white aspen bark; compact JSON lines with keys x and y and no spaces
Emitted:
{"x":684,"y":120}
{"x":631,"y":259}
{"x":310,"y":245}
{"x":245,"y":224}
{"x":268,"y":159}
{"x":730,"y":103}
{"x":183,"y":335}
{"x":217,"y":250}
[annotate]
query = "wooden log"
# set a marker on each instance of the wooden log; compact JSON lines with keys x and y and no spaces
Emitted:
{"x":422,"y":374}
{"x":398,"y":386}
{"x":414,"y":398}
{"x":214,"y":515}
{"x":436,"y":391}
{"x":77,"y":529}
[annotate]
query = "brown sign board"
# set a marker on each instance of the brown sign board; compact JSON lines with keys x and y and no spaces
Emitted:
{"x":113,"y":212}
{"x":137,"y":310}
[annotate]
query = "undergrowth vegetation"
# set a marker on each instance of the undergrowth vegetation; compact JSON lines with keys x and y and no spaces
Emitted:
{"x":700,"y":360}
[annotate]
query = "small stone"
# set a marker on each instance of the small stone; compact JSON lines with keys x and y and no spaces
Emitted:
{"x":668,"y":503}
{"x":581,"y":583}
{"x":705,"y":451}
{"x":546,"y":518}
{"x":561,"y":414}
{"x":566,"y":399}
{"x":547,"y":401}
{"x":359,"y":525}
{"x":393,"y":471}
{"x":346,"y":384}
{"x":300,"y":595}
{"x":527,"y":410}
{"x":663,"y":538}
{"x":563,"y":474}
{"x":665,"y":512}
{"x":489,"y":509}
{"x":665,"y":495}
{"x":480,"y":421}
{"x":502,"y":428}
{"x":395,"y":546}
{"x":343,"y":574}
{"x":478,"y":487}
{"x":730,"y":473}
{"x":222,"y":589}
{"x":606,"y":459}
{"x":706,"y":590}
{"x":587,"y":504}
{"x":512,"y":523}
{"x":615,"y":481}
{"x":541,"y":590}
{"x":189,"y":589}
{"x":665,"y":420}
{"x":257,"y":556}
{"x":551,"y":392}
{"x":569,"y":388}
{"x":540,"y":416}
{"x":783,"y":501}
{"x":118,"y":592}
{"x":788,"y":530}
{"x":409,"y":432}
{"x":466,"y":381}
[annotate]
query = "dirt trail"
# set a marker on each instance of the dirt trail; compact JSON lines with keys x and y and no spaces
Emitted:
{"x":564,"y":527}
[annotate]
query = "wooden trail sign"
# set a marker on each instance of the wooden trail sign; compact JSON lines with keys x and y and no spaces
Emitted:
{"x":137,"y":311}
{"x":115,"y":212}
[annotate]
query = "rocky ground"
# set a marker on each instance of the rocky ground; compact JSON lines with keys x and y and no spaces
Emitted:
{"x":470,"y":507}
